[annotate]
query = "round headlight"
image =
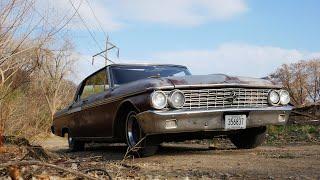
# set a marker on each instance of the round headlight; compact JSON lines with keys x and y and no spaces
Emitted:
{"x":284,"y":97}
{"x":274,"y":97}
{"x":158,"y":99}
{"x":176,"y":99}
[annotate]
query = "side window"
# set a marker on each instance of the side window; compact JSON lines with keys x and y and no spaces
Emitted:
{"x":95,"y":84}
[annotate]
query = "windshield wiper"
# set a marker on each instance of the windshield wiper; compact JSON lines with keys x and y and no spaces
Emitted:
{"x":155,"y":76}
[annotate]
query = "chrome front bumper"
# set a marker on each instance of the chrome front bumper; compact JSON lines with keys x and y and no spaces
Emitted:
{"x":155,"y":122}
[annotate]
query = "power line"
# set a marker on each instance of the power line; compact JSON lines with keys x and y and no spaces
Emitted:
{"x":86,"y":26}
{"x":66,"y":23}
{"x":94,"y":15}
{"x":112,"y":46}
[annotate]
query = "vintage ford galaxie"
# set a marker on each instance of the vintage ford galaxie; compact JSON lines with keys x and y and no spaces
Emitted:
{"x":145,"y":105}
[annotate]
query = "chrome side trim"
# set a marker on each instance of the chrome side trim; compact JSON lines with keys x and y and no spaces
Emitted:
{"x":160,"y":88}
{"x":98,"y":103}
{"x":110,"y":100}
{"x":73,"y":110}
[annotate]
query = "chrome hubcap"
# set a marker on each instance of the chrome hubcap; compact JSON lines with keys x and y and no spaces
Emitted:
{"x":133,"y":130}
{"x":70,"y":140}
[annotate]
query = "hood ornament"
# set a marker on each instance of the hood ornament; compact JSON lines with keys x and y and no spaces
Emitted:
{"x":232,"y":97}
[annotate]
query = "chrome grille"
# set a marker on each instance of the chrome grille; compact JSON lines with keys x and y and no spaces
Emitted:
{"x":225,"y":98}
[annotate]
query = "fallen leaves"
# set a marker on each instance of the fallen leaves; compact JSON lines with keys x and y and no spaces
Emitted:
{"x":14,"y":172}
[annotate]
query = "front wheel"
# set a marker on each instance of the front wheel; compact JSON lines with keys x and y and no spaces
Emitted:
{"x":136,"y":139}
{"x":249,"y":138}
{"x":75,"y":145}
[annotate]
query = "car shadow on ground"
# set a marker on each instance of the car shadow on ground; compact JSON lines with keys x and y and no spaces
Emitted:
{"x":188,"y":149}
{"x":118,"y":151}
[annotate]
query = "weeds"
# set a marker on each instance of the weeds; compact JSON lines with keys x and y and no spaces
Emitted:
{"x":293,"y":134}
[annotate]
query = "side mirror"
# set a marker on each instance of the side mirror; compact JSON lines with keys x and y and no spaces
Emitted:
{"x":70,"y":106}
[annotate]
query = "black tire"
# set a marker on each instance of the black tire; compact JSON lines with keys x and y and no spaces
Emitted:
{"x":135,"y":138}
{"x":75,"y":145}
{"x":249,"y":138}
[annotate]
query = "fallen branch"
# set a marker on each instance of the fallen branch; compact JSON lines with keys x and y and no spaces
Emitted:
{"x":304,"y":114}
{"x":39,"y":163}
{"x":308,"y":122}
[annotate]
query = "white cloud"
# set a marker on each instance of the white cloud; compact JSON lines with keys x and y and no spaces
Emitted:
{"x":228,"y":58}
{"x":114,"y":15}
{"x":179,"y":12}
{"x":64,"y":8}
{"x":234,"y":59}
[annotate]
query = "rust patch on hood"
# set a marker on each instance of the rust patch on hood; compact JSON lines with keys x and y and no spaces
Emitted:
{"x":219,"y":80}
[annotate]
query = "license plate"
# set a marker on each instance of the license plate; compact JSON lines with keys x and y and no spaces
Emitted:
{"x":235,"y":121}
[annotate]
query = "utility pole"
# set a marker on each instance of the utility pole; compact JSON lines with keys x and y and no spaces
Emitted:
{"x":106,"y":53}
{"x":109,"y":46}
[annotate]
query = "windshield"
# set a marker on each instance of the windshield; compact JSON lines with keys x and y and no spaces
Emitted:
{"x":126,"y":74}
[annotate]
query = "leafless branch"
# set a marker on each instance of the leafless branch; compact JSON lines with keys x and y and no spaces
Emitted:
{"x":39,"y":163}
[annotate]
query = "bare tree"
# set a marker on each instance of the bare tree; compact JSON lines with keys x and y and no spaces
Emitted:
{"x":55,"y":67}
{"x":13,"y":17}
{"x":302,"y":80}
{"x":25,"y":37}
{"x":313,"y":85}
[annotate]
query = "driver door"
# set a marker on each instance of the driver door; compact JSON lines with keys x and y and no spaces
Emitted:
{"x":92,"y":120}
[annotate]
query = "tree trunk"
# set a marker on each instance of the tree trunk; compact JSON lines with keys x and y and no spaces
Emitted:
{"x":1,"y":138}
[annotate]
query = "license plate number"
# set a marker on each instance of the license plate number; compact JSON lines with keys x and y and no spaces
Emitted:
{"x":235,"y":121}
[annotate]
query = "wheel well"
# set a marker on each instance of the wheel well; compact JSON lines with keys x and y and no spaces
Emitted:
{"x":52,"y":130}
{"x":121,"y":115}
{"x":64,"y":131}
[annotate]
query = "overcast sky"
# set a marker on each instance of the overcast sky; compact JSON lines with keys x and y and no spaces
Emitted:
{"x":238,"y":37}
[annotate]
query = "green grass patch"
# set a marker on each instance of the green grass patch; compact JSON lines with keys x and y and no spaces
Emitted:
{"x":293,"y":134}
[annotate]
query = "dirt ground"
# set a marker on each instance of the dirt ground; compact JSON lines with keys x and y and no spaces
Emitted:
{"x":193,"y":161}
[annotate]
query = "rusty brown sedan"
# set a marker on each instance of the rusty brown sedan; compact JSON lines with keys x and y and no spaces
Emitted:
{"x":145,"y":105}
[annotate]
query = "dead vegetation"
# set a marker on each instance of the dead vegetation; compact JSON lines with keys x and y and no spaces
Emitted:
{"x":22,"y":160}
{"x":174,"y":161}
{"x":192,"y":159}
{"x":34,"y":64}
{"x":302,"y":80}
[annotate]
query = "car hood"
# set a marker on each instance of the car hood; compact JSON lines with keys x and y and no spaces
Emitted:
{"x":190,"y":82}
{"x":214,"y":80}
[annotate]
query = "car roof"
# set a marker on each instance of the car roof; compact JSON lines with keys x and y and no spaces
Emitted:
{"x":145,"y":64}
{"x":131,"y":65}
